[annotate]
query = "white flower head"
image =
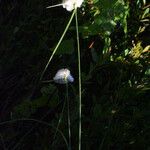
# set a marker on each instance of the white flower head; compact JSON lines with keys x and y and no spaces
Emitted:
{"x":63,"y":76}
{"x":69,"y":5}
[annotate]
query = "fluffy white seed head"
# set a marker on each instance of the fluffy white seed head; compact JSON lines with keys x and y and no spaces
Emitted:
{"x":71,"y":4}
{"x":63,"y":76}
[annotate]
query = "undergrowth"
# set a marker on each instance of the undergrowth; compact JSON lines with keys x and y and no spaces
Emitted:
{"x":113,"y":40}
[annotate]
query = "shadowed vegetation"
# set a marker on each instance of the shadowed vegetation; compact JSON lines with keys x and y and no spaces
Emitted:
{"x":115,"y":70}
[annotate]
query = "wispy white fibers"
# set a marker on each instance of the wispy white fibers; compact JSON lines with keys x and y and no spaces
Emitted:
{"x":69,"y":5}
{"x":63,"y":76}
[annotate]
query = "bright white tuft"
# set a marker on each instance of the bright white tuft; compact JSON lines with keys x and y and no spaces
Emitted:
{"x":69,"y":5}
{"x":63,"y":76}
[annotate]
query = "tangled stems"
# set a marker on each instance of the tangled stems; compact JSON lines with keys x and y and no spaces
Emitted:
{"x":79,"y":77}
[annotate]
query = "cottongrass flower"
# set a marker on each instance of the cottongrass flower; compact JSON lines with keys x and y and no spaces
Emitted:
{"x":69,"y":5}
{"x":63,"y":76}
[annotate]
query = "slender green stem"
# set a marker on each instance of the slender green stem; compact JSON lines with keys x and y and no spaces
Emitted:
{"x":54,"y":6}
{"x":79,"y":69}
{"x":57,"y":45}
{"x":61,"y":116}
{"x":68,"y":112}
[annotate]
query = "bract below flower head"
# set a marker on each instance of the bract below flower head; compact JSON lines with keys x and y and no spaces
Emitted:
{"x":71,"y":4}
{"x":63,"y":76}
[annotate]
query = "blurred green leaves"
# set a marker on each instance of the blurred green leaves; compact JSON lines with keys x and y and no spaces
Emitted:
{"x":105,"y":15}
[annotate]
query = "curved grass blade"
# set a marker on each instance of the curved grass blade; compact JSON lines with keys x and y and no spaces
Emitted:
{"x":57,"y":44}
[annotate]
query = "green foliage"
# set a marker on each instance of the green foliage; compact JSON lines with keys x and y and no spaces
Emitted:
{"x":28,"y":107}
{"x":104,"y":17}
{"x":115,"y":67}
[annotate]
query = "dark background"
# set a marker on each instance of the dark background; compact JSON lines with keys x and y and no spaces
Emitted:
{"x":115,"y":86}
